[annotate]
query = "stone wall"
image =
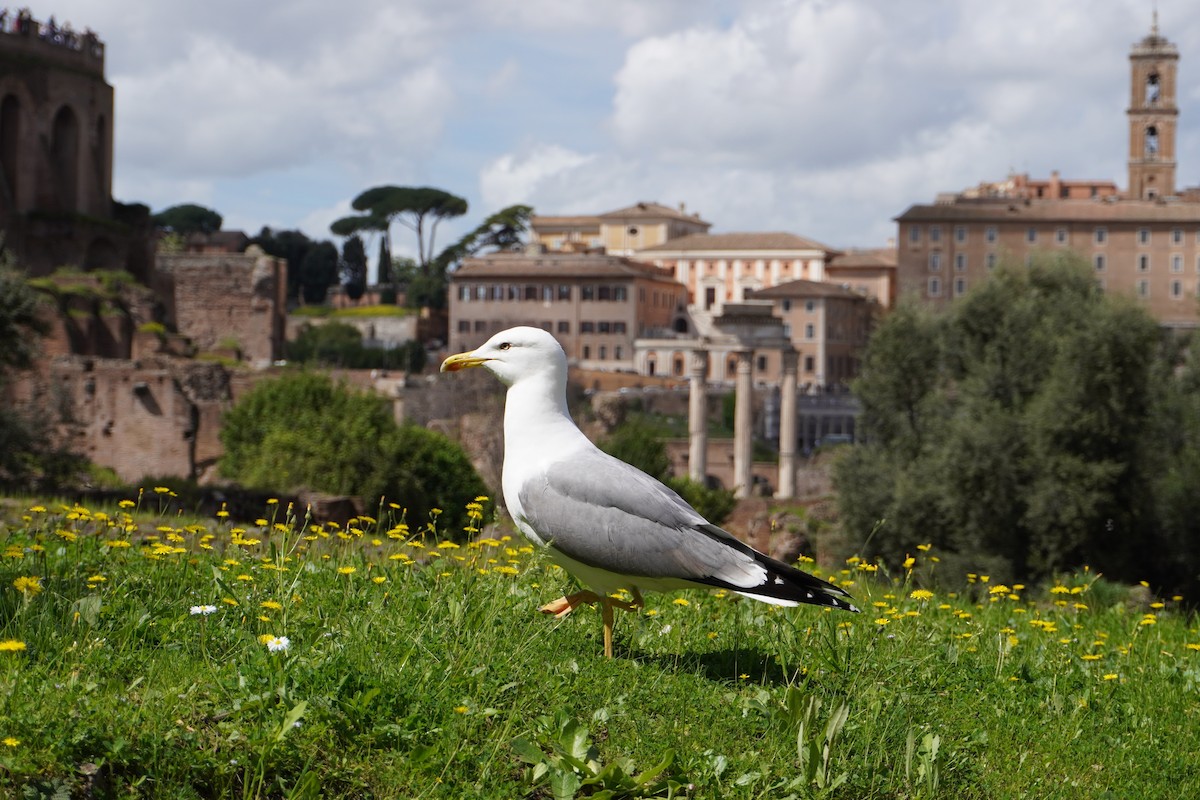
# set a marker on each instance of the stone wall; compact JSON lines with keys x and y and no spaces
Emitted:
{"x":158,"y":416}
{"x":383,"y":332}
{"x":219,"y":299}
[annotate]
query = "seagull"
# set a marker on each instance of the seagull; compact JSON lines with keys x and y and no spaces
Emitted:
{"x":607,"y":523}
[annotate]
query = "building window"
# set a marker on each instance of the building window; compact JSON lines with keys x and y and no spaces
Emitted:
{"x":761,"y":363}
{"x":464,"y":293}
{"x":677,"y":365}
{"x":618,"y":327}
{"x":1176,"y":290}
{"x":547,"y":293}
{"x":935,"y":262}
{"x":620,"y":293}
{"x":1031,"y":235}
{"x":604,"y":294}
{"x":1060,"y":236}
{"x":960,"y":287}
{"x":935,"y":233}
{"x":587,"y":351}
{"x":787,"y":305}
{"x":989,"y":234}
{"x":810,"y":306}
{"x":1177,"y":236}
{"x":603,"y":327}
{"x":603,"y":352}
{"x":1143,"y":262}
{"x":564,"y":291}
{"x":464,"y":326}
{"x":618,"y":352}
{"x":564,"y":326}
{"x":1143,"y":288}
{"x":809,"y":364}
{"x":1176,"y":263}
{"x":810,"y":331}
{"x":935,"y":287}
{"x":481,"y":292}
{"x":587,"y":292}
{"x":960,"y":262}
{"x":1098,"y":260}
{"x":587,"y":327}
{"x":990,"y":260}
{"x":914,"y":234}
{"x":1100,"y":235}
{"x":960,"y":233}
{"x":1143,"y":236}
{"x":480,"y":326}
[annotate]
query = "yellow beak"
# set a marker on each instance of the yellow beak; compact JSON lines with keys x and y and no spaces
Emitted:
{"x":462,"y":361}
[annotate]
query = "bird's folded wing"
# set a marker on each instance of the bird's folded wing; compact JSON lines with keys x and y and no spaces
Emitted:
{"x":604,"y":513}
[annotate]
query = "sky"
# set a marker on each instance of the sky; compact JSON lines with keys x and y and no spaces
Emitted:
{"x":824,"y":118}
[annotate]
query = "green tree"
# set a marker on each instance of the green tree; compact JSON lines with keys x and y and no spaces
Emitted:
{"x":318,"y":271}
{"x":419,"y":209}
{"x":354,"y":267}
{"x":302,"y":431}
{"x":1012,"y":424}
{"x":188,"y":218}
{"x":291,"y":246}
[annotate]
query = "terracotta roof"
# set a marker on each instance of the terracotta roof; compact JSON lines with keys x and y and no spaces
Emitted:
{"x":558,"y":265}
{"x":570,"y":221}
{"x":804,"y":288}
{"x":738,"y":242}
{"x":652,"y":211}
{"x":852,"y":259}
{"x":1053,"y":211}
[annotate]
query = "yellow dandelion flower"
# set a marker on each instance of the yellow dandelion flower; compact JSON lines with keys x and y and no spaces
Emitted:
{"x":379,"y":579}
{"x":244,"y":577}
{"x":461,"y":709}
{"x":920,"y":594}
{"x":1193,"y":646}
{"x":1111,"y":676}
{"x":161,"y":490}
{"x":347,"y":570}
{"x":1091,"y":657}
{"x":681,"y":601}
{"x":909,"y":561}
{"x":11,"y":646}
{"x":274,"y":605}
{"x":28,"y":585}
{"x":924,"y":548}
{"x":882,"y":621}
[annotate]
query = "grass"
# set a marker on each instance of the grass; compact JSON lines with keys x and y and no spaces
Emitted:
{"x":145,"y":654}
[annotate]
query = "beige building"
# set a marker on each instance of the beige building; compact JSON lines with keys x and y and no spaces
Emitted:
{"x":622,"y":232}
{"x":828,"y":326}
{"x":1144,"y":243}
{"x":594,"y":304}
{"x":719,"y":268}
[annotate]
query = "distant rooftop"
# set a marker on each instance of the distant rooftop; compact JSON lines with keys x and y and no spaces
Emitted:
{"x":738,"y":242}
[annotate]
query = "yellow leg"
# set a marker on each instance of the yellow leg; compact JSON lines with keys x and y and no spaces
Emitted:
{"x":565,"y":605}
{"x":606,"y":611}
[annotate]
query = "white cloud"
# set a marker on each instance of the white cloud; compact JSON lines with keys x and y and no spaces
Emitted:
{"x":512,"y":179}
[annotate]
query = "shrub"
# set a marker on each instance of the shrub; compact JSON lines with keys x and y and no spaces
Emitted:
{"x":301,"y":431}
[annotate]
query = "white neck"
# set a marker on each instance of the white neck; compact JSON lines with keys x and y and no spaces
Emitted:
{"x":536,"y":419}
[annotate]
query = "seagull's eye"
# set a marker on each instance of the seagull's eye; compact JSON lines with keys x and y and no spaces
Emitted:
{"x":505,"y":345}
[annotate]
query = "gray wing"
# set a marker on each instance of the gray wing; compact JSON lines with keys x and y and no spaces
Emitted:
{"x":607,"y":514}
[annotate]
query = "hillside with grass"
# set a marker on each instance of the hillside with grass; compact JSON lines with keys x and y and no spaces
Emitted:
{"x":145,"y":653}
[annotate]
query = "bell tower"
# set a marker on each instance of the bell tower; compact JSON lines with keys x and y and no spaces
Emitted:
{"x":1153,"y":116}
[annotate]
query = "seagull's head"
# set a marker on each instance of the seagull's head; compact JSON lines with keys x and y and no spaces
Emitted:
{"x":515,"y":354}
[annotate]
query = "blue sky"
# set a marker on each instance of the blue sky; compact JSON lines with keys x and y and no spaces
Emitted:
{"x":825,"y":118}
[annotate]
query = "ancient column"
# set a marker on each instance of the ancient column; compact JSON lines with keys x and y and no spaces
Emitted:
{"x":743,"y":444}
{"x":787,"y":426}
{"x":698,"y":416}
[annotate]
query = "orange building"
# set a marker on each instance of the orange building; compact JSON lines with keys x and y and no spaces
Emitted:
{"x":1144,"y":242}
